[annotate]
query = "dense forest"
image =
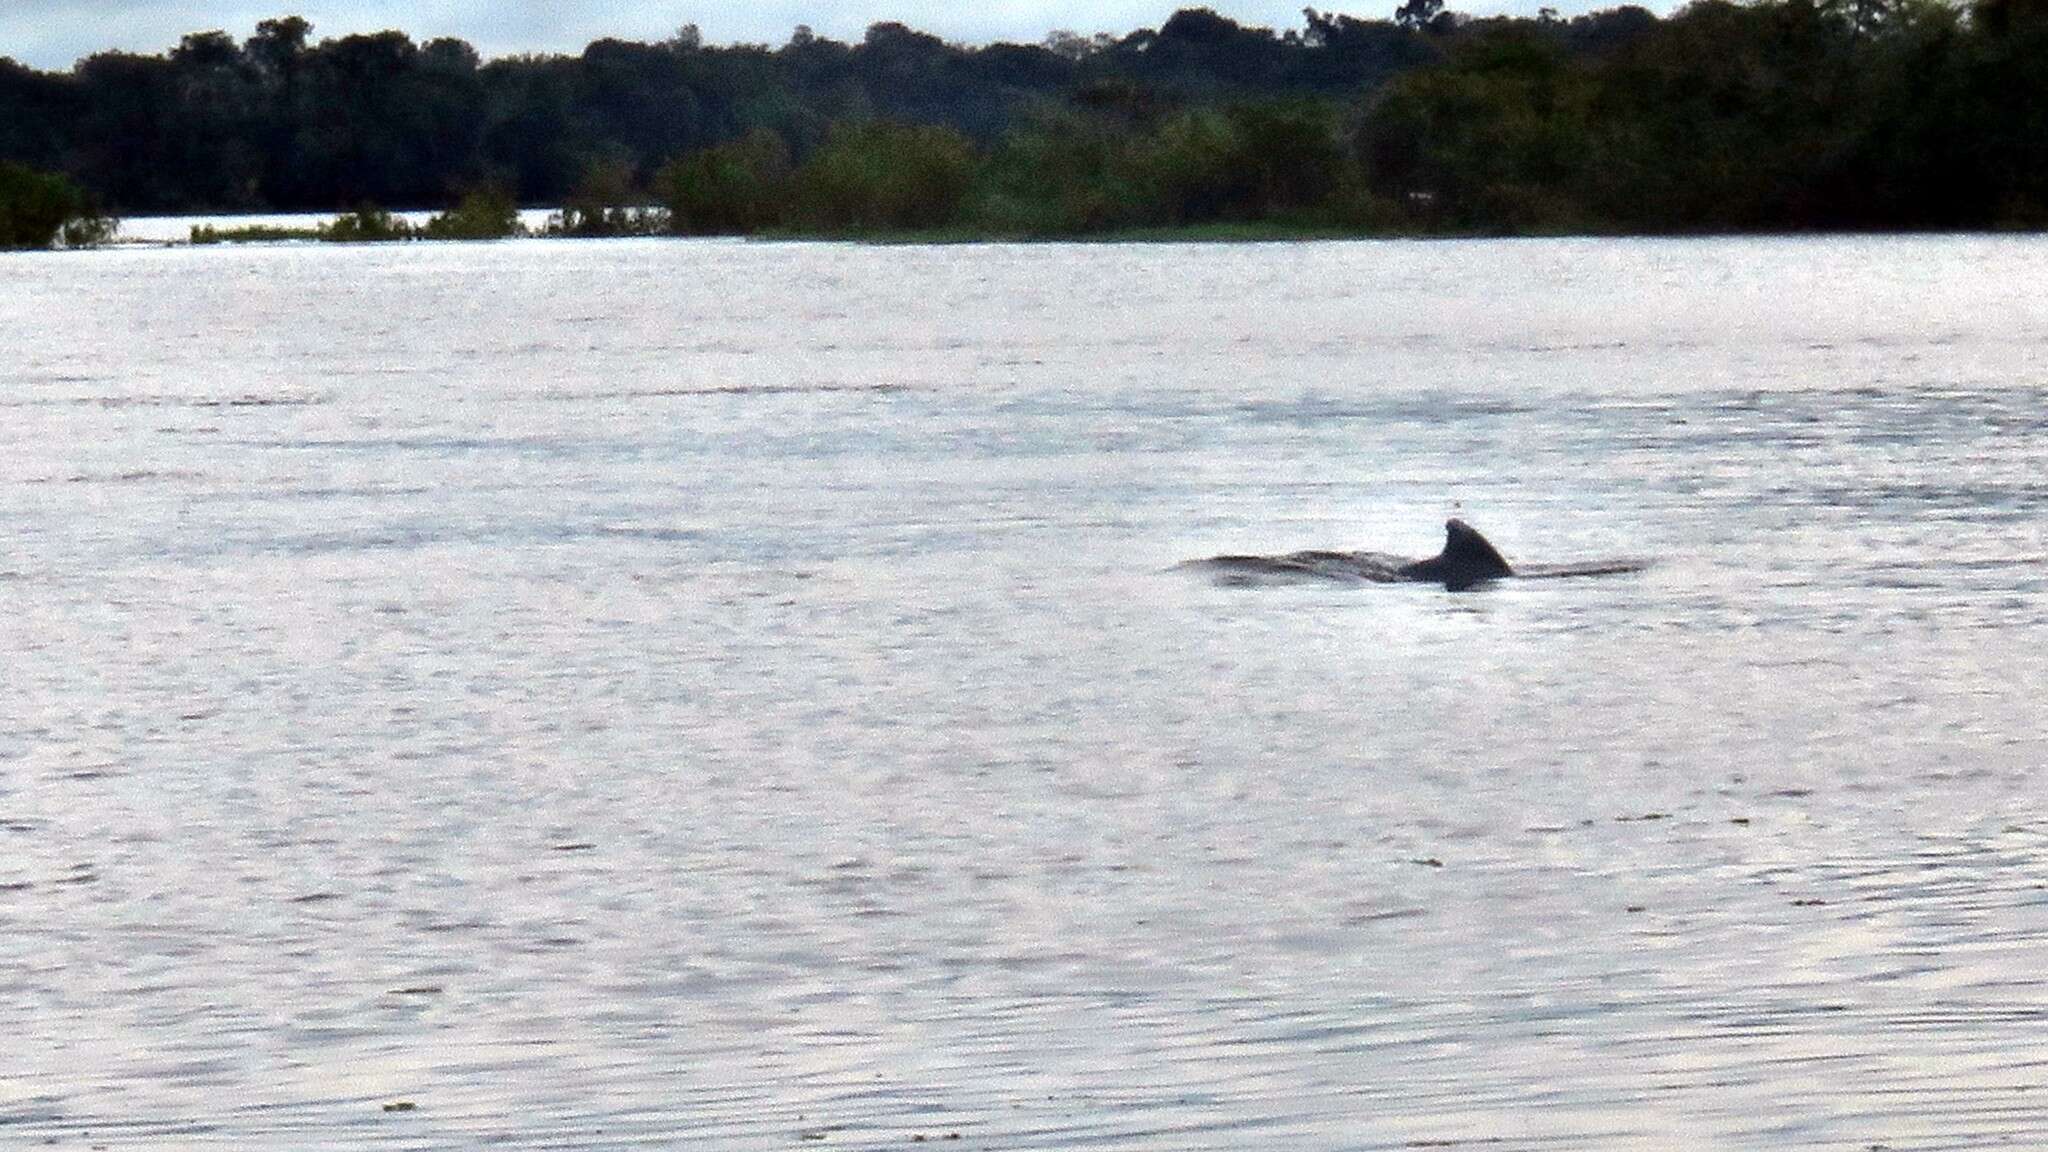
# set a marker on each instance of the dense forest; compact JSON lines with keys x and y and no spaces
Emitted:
{"x":1776,"y":114}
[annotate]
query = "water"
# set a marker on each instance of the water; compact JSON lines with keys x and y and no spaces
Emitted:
{"x":642,"y":694}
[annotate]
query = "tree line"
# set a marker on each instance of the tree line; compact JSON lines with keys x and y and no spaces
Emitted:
{"x":1773,"y":114}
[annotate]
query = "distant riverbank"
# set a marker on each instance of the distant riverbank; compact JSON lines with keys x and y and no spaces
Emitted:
{"x":301,"y":227}
{"x":1723,"y":118}
{"x":545,"y":223}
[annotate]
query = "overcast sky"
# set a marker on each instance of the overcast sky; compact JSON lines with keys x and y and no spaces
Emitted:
{"x":54,"y":33}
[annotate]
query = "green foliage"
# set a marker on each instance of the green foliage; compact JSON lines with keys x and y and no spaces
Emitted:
{"x":879,"y":176}
{"x":1496,"y":139}
{"x":37,"y":210}
{"x":368,"y":224}
{"x":1728,"y":118}
{"x":731,"y":189}
{"x":1069,"y":174}
{"x":1245,"y":162}
{"x":1063,"y":173}
{"x":486,"y":213}
{"x":1187,"y":171}
{"x":1293,"y":156}
{"x":606,"y":202}
{"x":251,"y":234}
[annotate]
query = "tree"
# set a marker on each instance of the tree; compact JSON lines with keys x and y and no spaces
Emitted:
{"x":38,"y":114}
{"x":1292,"y":155}
{"x":1496,"y":139}
{"x":1063,"y":172}
{"x":1418,"y":14}
{"x":1069,"y":45}
{"x":278,"y":45}
{"x":122,"y":134}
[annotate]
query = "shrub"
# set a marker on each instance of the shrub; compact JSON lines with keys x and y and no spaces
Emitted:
{"x":367,"y":224}
{"x":1061,"y":174}
{"x":1190,"y":169}
{"x":606,"y":203}
{"x":877,"y":175}
{"x":487,"y":213}
{"x":252,"y":234}
{"x":734,"y":188}
{"x":38,"y":209}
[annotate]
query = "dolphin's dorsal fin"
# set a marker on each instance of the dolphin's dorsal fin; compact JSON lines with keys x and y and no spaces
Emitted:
{"x":1467,"y":559}
{"x":1470,"y":554}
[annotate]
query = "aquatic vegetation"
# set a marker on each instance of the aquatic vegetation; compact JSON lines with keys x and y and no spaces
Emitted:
{"x":487,"y":213}
{"x":608,"y":202}
{"x":250,"y":234}
{"x":367,"y":224}
{"x":88,"y":231}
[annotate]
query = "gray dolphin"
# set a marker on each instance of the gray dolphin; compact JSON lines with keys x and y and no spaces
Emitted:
{"x":1467,"y":561}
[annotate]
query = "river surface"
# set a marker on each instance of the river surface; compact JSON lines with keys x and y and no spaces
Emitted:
{"x":598,"y":695}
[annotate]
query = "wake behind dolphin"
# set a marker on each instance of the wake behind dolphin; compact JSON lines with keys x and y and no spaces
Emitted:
{"x":1468,"y":559}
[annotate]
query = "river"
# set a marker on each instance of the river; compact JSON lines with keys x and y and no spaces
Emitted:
{"x":620,"y":694}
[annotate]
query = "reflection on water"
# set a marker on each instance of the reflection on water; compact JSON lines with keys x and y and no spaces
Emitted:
{"x":626,"y":694}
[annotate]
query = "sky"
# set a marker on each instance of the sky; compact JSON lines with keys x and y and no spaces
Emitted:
{"x":54,"y":33}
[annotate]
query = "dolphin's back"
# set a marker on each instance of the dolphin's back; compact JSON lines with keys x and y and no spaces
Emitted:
{"x":1468,"y":560}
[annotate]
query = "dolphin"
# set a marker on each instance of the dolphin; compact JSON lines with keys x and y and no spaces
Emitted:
{"x":1468,"y":560}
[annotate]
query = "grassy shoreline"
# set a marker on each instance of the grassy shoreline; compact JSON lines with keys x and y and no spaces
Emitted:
{"x":207,"y":235}
{"x":1224,"y":233}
